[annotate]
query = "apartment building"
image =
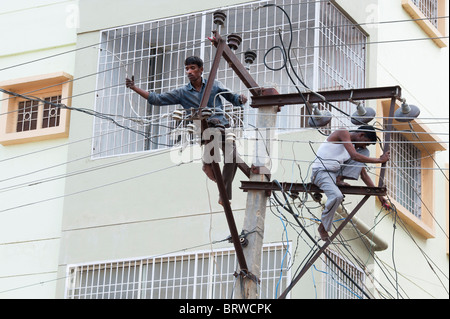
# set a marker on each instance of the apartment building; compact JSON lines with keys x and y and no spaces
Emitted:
{"x":107,"y":198}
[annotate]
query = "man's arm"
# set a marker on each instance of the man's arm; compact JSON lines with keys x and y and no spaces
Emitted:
{"x":167,"y":98}
{"x":233,"y":98}
{"x":130,"y":84}
{"x":368,"y":181}
{"x":344,"y":137}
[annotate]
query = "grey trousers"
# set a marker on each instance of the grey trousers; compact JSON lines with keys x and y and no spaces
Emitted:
{"x":326,"y":181}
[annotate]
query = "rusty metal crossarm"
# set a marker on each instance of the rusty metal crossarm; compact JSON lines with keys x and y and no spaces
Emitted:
{"x":328,"y":96}
{"x":308,"y":187}
{"x":230,"y":218}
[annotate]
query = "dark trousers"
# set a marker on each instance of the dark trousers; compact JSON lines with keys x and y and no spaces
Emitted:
{"x":215,"y":142}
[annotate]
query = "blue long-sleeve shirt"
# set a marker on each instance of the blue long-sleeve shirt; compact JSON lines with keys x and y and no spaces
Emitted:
{"x":189,"y":98}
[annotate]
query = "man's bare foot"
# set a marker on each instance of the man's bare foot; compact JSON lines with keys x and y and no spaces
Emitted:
{"x":323,"y":233}
{"x":209,"y":172}
{"x":340,"y":182}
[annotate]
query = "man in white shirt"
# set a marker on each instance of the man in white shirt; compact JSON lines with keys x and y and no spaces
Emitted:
{"x":341,"y":157}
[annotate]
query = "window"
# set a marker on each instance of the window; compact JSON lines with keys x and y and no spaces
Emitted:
{"x":197,"y":275}
{"x":429,"y":15}
{"x":429,"y":8}
{"x":405,"y":179}
{"x":325,"y":56}
{"x":336,"y":285}
{"x":34,"y":115}
{"x":409,"y":177}
{"x":26,"y":120}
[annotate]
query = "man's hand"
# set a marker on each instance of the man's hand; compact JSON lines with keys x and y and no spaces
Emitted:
{"x":242,"y":99}
{"x":384,"y":203}
{"x":385,"y":157}
{"x":130,"y":83}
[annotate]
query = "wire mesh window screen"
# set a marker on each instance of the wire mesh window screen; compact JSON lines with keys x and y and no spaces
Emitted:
{"x":429,"y":8}
{"x":336,"y":285}
{"x":326,"y":54}
{"x":201,"y":275}
{"x":403,"y":181}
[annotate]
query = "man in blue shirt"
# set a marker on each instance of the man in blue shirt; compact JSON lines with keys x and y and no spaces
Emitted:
{"x":189,"y":96}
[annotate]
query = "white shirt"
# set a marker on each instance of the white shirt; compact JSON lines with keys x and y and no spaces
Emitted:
{"x":331,"y":155}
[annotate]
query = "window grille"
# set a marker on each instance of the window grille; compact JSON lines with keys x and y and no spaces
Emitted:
{"x":403,"y":181}
{"x":198,"y":275}
{"x":27,"y":116}
{"x":328,"y":52}
{"x":429,"y":8}
{"x":51,"y":114}
{"x":338,"y":286}
{"x":34,"y":115}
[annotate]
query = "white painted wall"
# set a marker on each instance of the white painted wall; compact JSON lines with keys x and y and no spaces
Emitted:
{"x":159,"y":212}
{"x":30,"y":225}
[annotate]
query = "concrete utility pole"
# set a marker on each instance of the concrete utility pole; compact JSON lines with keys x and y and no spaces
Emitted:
{"x":255,"y":213}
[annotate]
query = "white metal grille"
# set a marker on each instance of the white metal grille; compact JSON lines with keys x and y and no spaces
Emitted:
{"x":326,"y":54}
{"x":336,"y":285}
{"x":429,"y":8}
{"x":403,"y":181}
{"x":199,"y":275}
{"x":341,"y":58}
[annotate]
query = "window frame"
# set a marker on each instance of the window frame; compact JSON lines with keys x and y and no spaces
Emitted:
{"x":435,"y":33}
{"x":41,"y":87}
{"x":426,"y":224}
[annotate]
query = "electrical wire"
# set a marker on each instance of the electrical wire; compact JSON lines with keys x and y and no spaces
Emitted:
{"x":93,"y":188}
{"x":100,"y":115}
{"x":285,"y":65}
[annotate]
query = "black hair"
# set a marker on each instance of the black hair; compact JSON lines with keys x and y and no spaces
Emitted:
{"x":194,"y":60}
{"x":369,"y":132}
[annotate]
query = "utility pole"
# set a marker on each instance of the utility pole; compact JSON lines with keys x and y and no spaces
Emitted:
{"x":248,"y":277}
{"x":255,"y":213}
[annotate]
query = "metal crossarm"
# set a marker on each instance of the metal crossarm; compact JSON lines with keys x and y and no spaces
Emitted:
{"x":311,"y":188}
{"x":392,"y":92}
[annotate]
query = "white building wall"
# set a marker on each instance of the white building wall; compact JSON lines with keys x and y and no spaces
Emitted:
{"x":31,"y":215}
{"x":155,"y":208}
{"x":139,"y":205}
